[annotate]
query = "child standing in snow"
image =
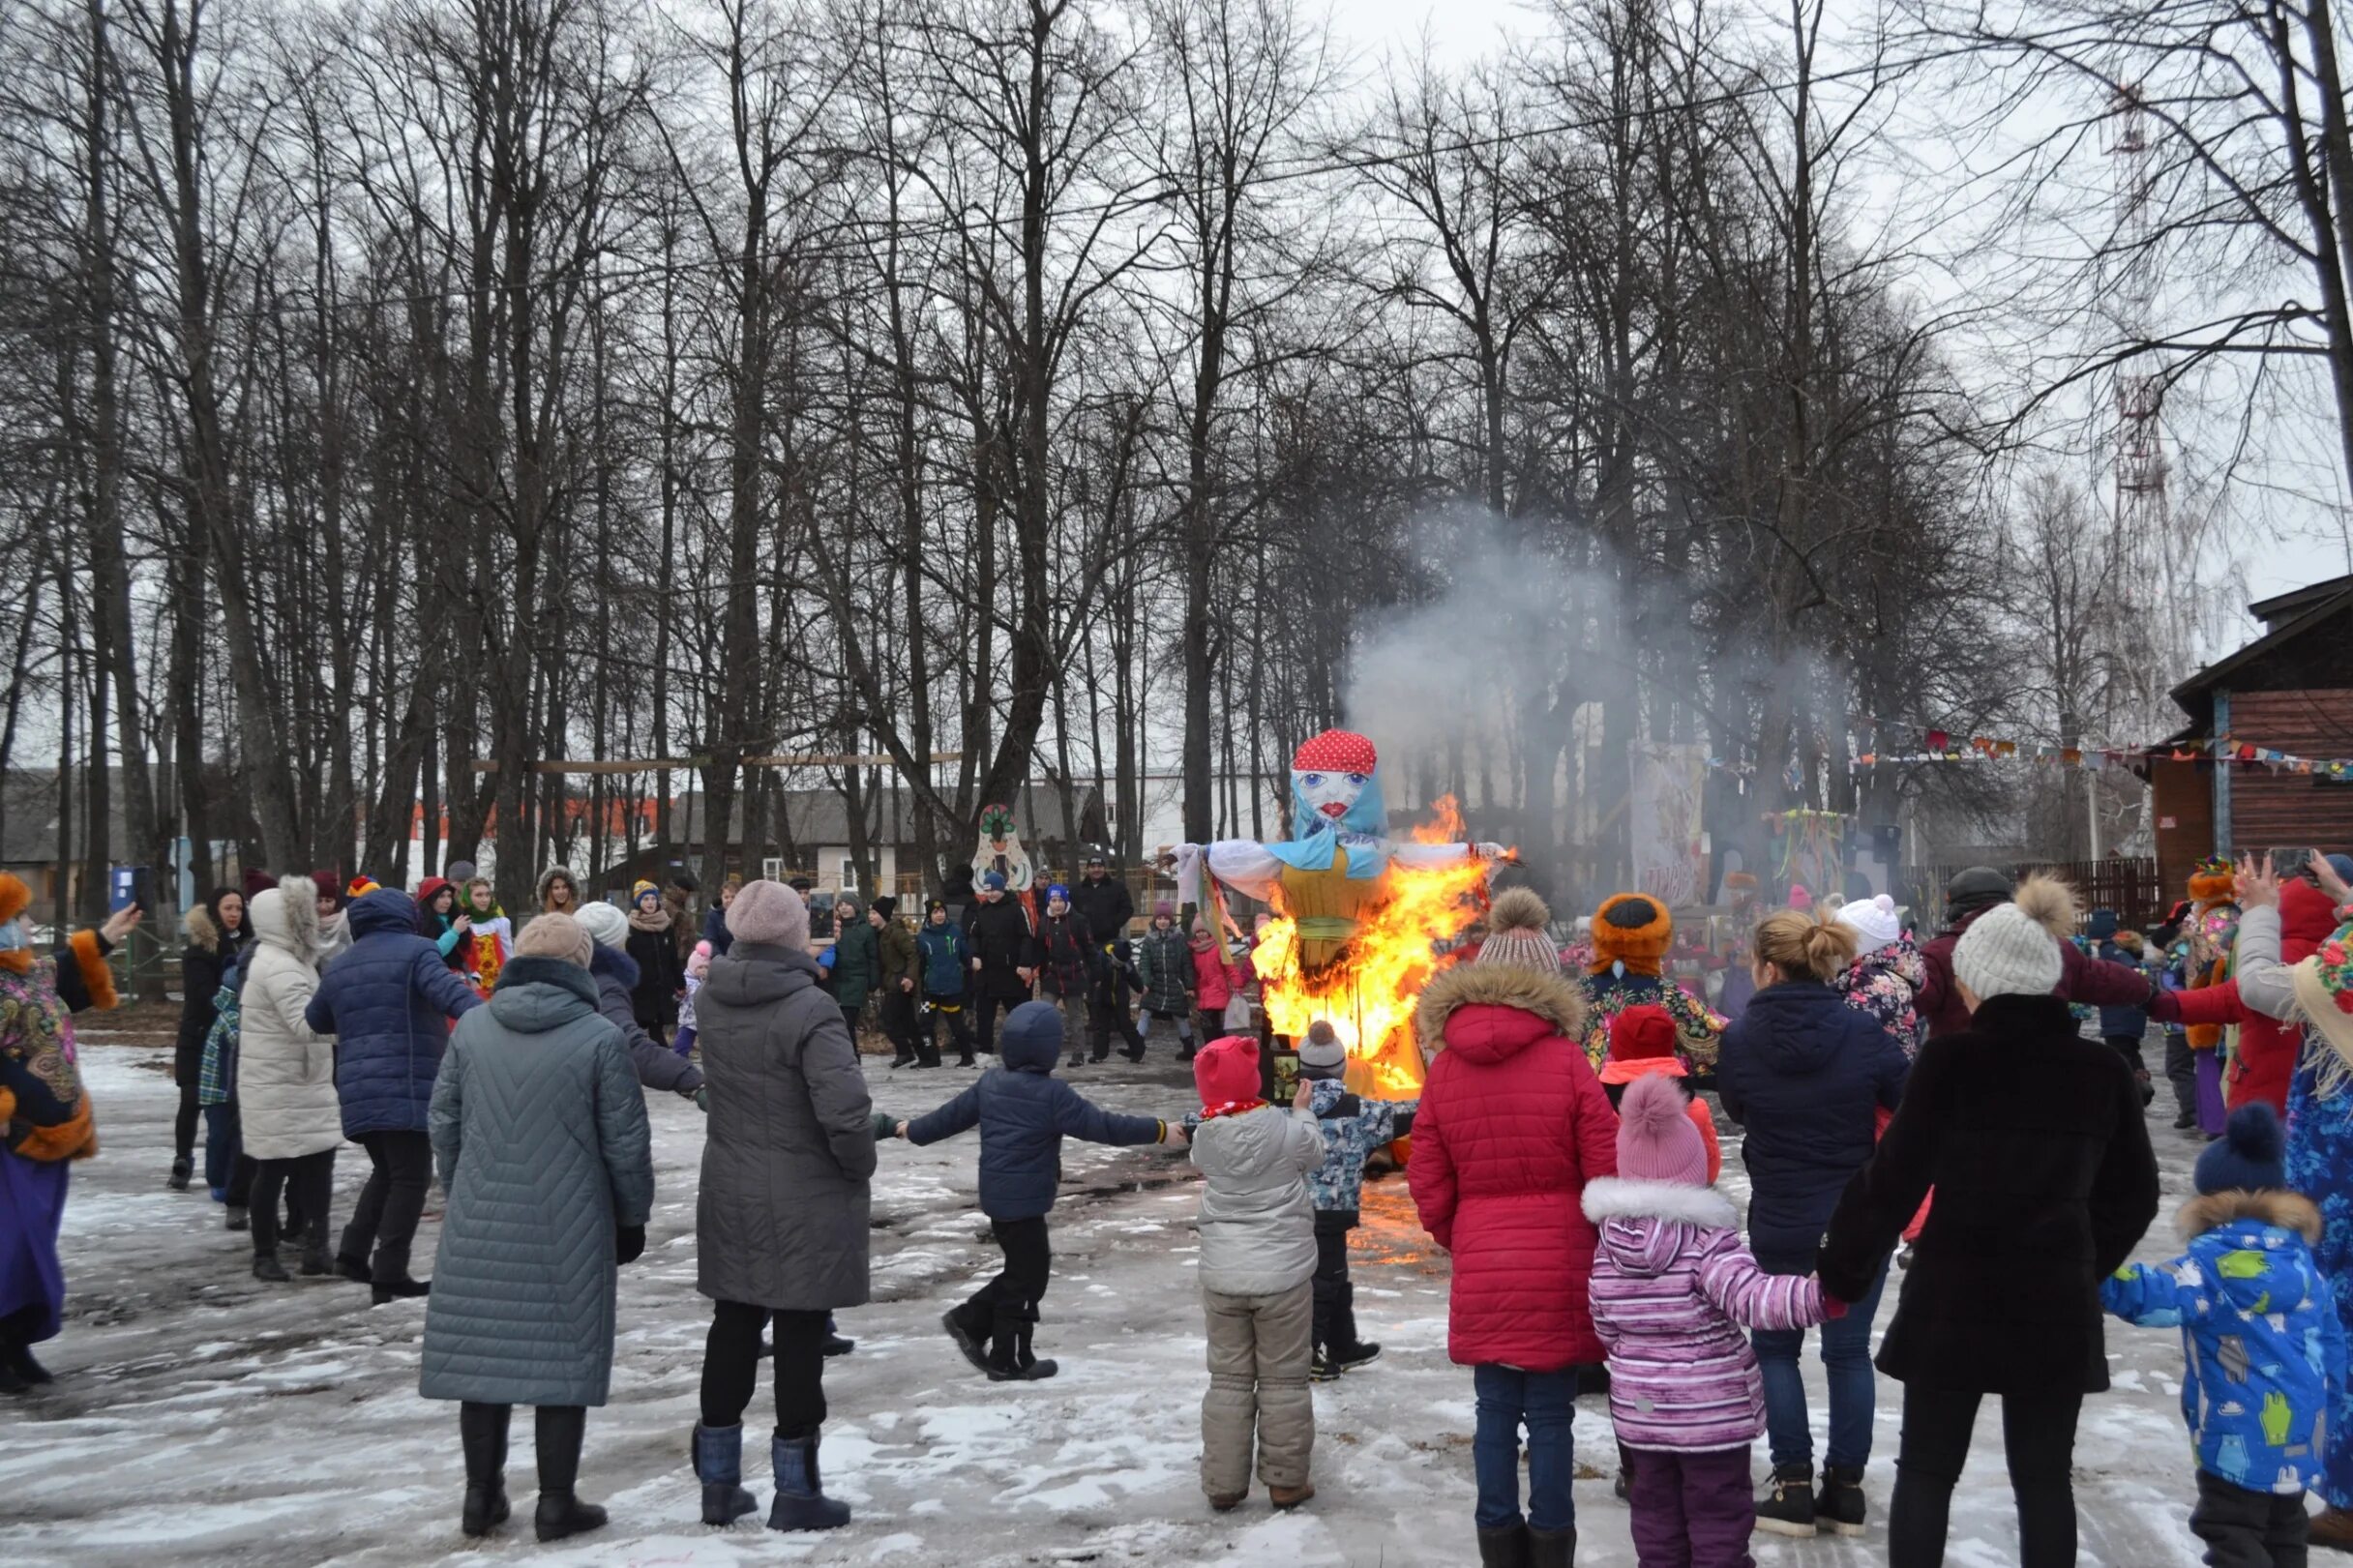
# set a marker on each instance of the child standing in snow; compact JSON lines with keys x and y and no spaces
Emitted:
{"x":698,"y":964}
{"x":1352,"y":1128}
{"x":2261,"y":1337}
{"x":1023,"y":1111}
{"x":1673,"y":1288}
{"x":1258,"y":1260}
{"x":1166,"y":963}
{"x":1643,"y":1044}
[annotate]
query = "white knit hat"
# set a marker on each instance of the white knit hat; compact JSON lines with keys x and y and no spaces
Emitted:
{"x":1874,"y":922}
{"x":2012,"y":949}
{"x":603,"y":921}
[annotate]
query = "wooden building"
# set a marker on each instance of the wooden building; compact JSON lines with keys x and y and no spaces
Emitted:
{"x":2291,"y":691}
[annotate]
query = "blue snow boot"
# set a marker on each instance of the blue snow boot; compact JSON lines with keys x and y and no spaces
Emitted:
{"x":719,"y":1465}
{"x":801,"y":1503}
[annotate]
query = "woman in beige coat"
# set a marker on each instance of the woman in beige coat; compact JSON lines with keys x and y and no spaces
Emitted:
{"x":285,"y":1077}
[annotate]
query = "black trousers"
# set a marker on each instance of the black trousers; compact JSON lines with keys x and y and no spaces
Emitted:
{"x":2249,"y":1529}
{"x":309,"y":1182}
{"x":2128,"y":1045}
{"x":2039,"y":1439}
{"x":187,"y":1065}
{"x":988,"y":1005}
{"x":1005,"y":1311}
{"x":731,"y":1367}
{"x":556,"y":1431}
{"x":1335,"y":1295}
{"x":897,"y":1011}
{"x":2182,"y":1072}
{"x":849,"y":1016}
{"x":960,"y":1027}
{"x":1105,"y":1015}
{"x":385,"y":1217}
{"x":1211,"y":1026}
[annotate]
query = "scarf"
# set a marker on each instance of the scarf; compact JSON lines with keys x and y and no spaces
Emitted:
{"x":1231,"y":1108}
{"x":468,"y":906}
{"x":640,"y":919}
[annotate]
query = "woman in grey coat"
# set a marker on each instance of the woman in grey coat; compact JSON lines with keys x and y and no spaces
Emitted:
{"x":540,"y":1141}
{"x":781,"y":1219}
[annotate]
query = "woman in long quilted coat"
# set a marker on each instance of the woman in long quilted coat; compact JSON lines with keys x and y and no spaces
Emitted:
{"x":1512,"y":1125}
{"x":539,"y":1140}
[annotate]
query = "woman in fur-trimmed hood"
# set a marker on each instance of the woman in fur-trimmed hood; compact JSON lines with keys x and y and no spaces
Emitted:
{"x":45,"y":1115}
{"x":549,"y":902}
{"x":1631,"y":935}
{"x":1512,"y":1125}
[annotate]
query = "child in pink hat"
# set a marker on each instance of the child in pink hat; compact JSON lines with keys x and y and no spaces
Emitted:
{"x":1673,"y":1285}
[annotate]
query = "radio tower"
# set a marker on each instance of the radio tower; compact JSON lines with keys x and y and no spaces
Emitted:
{"x":2140,"y":517}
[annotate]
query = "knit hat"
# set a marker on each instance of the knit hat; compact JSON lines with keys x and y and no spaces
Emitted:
{"x":1641,"y":1042}
{"x":556,"y":936}
{"x":640,"y":888}
{"x":1799,"y":899}
{"x":1227,"y":1071}
{"x":886,"y":906}
{"x":992,"y":882}
{"x":699,"y":963}
{"x":1632,"y":928}
{"x":766,"y":911}
{"x":1657,"y":1140}
{"x":1320,"y":1053}
{"x":2012,"y":949}
{"x":1516,"y":937}
{"x":940,"y":904}
{"x":2250,"y":1155}
{"x":329,"y":885}
{"x":2324,"y":991}
{"x":604,"y":923}
{"x":1056,"y":890}
{"x":1164,"y":908}
{"x":460,"y":872}
{"x":1975,"y":888}
{"x":257,"y":881}
{"x":2101,"y":924}
{"x":1874,"y":922}
{"x":361,"y":885}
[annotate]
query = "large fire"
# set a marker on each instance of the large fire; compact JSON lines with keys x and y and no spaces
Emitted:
{"x":1368,"y":994}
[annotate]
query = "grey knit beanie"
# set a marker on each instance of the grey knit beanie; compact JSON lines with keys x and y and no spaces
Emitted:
{"x":555,"y":935}
{"x":769,"y":912}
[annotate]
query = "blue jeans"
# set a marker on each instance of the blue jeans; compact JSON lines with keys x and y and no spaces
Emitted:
{"x":1846,"y":1357}
{"x":1544,"y":1402}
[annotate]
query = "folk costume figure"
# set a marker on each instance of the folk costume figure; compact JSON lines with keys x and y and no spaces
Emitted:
{"x":1330,"y":870}
{"x":2212,"y":930}
{"x":1001,"y":851}
{"x":492,"y":934}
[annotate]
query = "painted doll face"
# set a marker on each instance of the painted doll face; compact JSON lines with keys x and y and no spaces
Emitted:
{"x":1328,"y":795}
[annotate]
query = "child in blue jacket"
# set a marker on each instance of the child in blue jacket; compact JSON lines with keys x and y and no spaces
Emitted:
{"x":1024,"y":1112}
{"x":1352,"y":1128}
{"x":2262,"y":1336}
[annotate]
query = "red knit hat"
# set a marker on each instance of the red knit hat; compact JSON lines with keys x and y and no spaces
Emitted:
{"x":1335,"y":750}
{"x":1227,"y":1071}
{"x":1642,"y":1043}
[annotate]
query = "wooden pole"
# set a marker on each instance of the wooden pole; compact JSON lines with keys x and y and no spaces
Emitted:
{"x":644,"y":764}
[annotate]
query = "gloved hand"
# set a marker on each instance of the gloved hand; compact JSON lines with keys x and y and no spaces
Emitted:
{"x":628,"y":1243}
{"x":702,"y":1101}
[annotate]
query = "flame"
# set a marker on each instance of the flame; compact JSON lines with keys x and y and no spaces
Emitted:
{"x":1369,"y":991}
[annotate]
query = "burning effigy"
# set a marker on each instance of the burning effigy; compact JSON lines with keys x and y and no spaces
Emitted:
{"x":1359,"y":918}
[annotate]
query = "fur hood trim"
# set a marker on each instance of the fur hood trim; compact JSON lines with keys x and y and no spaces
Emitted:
{"x":1552,"y":998}
{"x":202,"y":933}
{"x":549,"y":876}
{"x":1614,"y":1198}
{"x":293,"y":924}
{"x":2290,"y":1211}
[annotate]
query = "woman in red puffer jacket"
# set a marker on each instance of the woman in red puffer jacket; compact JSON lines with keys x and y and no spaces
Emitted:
{"x":1512,"y":1125}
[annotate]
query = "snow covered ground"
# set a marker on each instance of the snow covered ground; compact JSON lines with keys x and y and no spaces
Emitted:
{"x":200,"y":1417}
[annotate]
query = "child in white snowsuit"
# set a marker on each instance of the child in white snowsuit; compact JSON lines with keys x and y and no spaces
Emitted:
{"x":696,"y":967}
{"x":1258,"y":1258}
{"x":1352,"y":1127}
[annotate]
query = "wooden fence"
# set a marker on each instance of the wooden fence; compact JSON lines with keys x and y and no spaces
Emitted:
{"x":2130,"y":887}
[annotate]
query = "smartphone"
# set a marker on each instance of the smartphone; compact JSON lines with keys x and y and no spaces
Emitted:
{"x":1286,"y":1076}
{"x":2287,"y":863}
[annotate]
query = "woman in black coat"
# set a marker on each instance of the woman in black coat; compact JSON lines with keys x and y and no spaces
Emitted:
{"x":654,"y":999}
{"x":2033,"y":1139}
{"x":1806,"y":1074}
{"x":217,"y":934}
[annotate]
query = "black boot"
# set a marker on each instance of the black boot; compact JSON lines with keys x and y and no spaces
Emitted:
{"x":16,"y":1362}
{"x":235,"y":1218}
{"x":354,"y":1270}
{"x":399,"y":1289}
{"x":483,"y":1430}
{"x":1507,"y":1548}
{"x":556,"y":1433}
{"x":719,"y":1467}
{"x":801,"y":1503}
{"x":181,"y":1170}
{"x":315,"y":1261}
{"x":966,"y":1339}
{"x":1788,"y":1508}
{"x":1019,"y":1364}
{"x":1552,"y":1549}
{"x":266,"y":1266}
{"x":1838,"y":1507}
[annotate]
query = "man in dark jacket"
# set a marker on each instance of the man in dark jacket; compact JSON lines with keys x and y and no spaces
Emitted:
{"x":941,"y":948}
{"x":2087,"y":980}
{"x":899,"y":981}
{"x":1103,"y":900}
{"x":388,"y":999}
{"x":2122,"y":1027}
{"x":1024,"y":1112}
{"x":1005,"y":954}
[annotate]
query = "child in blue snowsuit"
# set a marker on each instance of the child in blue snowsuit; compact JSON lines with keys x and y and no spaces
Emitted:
{"x":2262,"y":1338}
{"x":1352,"y":1128}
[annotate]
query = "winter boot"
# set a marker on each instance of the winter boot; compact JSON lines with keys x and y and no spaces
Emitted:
{"x":1838,"y":1507}
{"x":1322,"y":1369}
{"x":719,"y":1467}
{"x":1788,"y":1509}
{"x":483,"y":1429}
{"x":556,"y":1434}
{"x":1552,"y":1549}
{"x":181,"y":1170}
{"x":1021,"y":1364}
{"x":10,"y":1382}
{"x":966,"y":1339}
{"x":801,"y":1503}
{"x":1286,"y":1498}
{"x":399,"y":1289}
{"x":1508,"y":1548}
{"x":236,"y":1219}
{"x":16,"y":1361}
{"x":835,"y":1344}
{"x":354,"y":1270}
{"x":1029,"y":1372}
{"x":1363,"y":1353}
{"x":267,"y":1267}
{"x":315,"y":1261}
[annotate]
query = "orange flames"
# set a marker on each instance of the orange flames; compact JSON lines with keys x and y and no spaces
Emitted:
{"x":1368,"y":994}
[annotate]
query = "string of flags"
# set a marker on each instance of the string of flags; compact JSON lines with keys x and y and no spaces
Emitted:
{"x":1941,"y":746}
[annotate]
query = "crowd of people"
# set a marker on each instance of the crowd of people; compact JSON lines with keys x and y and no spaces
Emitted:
{"x":1562,"y":1155}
